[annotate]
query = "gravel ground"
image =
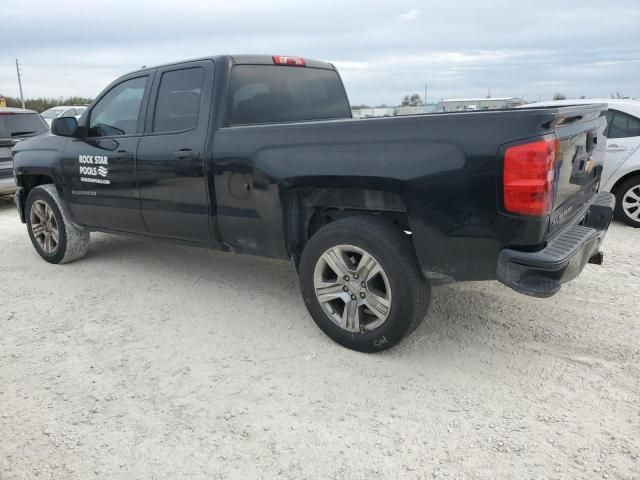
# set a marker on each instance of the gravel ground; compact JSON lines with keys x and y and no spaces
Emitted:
{"x":151,"y":360}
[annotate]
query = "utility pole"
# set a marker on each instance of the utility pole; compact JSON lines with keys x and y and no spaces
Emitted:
{"x":20,"y":83}
{"x":425,"y":95}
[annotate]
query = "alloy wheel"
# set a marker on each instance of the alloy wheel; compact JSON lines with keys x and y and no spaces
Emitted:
{"x":352,"y":288}
{"x":44,"y":226}
{"x":631,"y":203}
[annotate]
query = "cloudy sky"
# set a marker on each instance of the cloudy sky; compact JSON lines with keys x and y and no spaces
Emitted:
{"x":384,"y":49}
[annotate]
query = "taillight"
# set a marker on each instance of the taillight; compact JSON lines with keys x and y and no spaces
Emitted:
{"x":293,"y":61}
{"x":529,"y":174}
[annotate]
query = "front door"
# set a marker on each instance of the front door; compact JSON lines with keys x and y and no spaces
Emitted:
{"x":100,"y":168}
{"x":171,"y":165}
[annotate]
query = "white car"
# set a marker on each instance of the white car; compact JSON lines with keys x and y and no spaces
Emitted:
{"x":63,"y":111}
{"x":621,"y":172}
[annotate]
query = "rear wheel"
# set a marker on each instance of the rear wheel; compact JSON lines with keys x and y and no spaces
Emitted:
{"x":628,"y":202}
{"x":361,"y":283}
{"x":54,"y":236}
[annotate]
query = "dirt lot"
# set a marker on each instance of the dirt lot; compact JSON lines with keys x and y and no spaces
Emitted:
{"x":151,"y":360}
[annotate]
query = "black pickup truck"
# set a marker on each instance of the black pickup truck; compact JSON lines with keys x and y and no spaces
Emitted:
{"x":260,"y":155}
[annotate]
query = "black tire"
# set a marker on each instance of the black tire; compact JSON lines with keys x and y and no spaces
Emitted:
{"x":73,"y":240}
{"x":394,"y":252}
{"x":621,"y":191}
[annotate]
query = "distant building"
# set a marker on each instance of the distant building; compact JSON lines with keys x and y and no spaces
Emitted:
{"x":391,"y":111}
{"x":415,"y":110}
{"x":464,"y":104}
{"x":373,"y":112}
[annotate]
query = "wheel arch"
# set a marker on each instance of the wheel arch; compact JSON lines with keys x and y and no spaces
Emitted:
{"x":624,"y":178}
{"x":621,"y":212}
{"x":27,"y":181}
{"x":306,"y":210}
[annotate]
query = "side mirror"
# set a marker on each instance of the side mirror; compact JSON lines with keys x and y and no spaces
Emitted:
{"x":64,"y":126}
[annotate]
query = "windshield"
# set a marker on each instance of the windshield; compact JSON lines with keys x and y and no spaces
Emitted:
{"x":21,"y":124}
{"x":53,"y":112}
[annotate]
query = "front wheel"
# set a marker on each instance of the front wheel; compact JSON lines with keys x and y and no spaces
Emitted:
{"x":628,"y":202}
{"x":361,"y":283}
{"x":54,"y":236}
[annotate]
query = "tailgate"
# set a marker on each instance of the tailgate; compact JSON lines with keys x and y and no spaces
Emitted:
{"x":579,"y":160}
{"x":6,"y":164}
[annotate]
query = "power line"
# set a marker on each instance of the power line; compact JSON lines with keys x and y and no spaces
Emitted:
{"x":20,"y":83}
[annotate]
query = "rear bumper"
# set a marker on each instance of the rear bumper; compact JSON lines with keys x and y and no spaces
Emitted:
{"x":7,"y":185}
{"x":541,"y":273}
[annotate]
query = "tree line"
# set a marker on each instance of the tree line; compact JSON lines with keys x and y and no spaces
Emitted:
{"x":42,"y":104}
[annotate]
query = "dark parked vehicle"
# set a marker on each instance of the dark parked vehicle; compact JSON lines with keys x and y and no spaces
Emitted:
{"x":260,"y":155}
{"x":15,"y":125}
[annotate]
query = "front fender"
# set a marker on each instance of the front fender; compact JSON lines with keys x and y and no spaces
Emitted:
{"x":34,"y":161}
{"x":39,"y":156}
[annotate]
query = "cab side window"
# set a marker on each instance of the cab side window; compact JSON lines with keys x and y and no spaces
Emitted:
{"x":117,"y":113}
{"x":178,"y":101}
{"x":622,"y":125}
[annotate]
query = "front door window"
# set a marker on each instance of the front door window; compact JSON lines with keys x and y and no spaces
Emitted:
{"x":118,"y":112}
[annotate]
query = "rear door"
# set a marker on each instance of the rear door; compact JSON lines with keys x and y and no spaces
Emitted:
{"x":99,"y":170}
{"x":171,"y":165}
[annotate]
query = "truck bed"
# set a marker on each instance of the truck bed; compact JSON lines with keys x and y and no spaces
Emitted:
{"x":444,"y":168}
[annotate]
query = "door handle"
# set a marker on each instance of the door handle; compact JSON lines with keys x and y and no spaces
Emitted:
{"x":123,"y":155}
{"x":615,"y":148}
{"x":186,"y":154}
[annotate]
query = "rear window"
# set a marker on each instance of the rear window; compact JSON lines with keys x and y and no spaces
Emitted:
{"x":21,"y":124}
{"x":265,"y":93}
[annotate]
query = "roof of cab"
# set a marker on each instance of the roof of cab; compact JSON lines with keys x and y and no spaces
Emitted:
{"x":243,"y":59}
{"x":15,"y":110}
